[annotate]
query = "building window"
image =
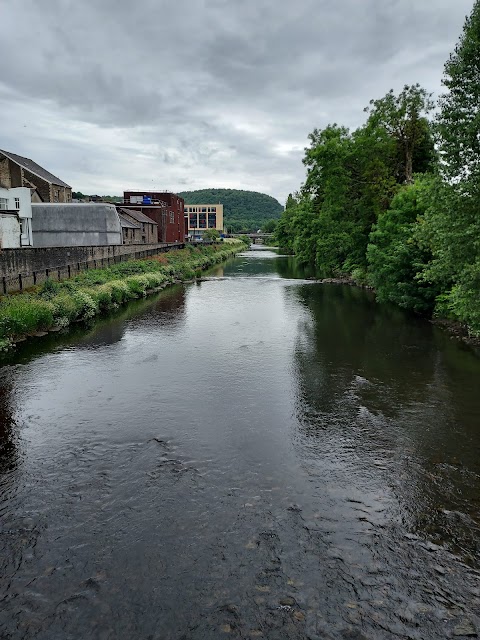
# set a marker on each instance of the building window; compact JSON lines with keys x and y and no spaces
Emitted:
{"x":172,"y":217}
{"x":17,"y":203}
{"x":3,"y":203}
{"x":69,"y":197}
{"x":56,"y":195}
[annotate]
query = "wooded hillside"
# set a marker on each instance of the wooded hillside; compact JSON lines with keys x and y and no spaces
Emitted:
{"x":243,"y":210}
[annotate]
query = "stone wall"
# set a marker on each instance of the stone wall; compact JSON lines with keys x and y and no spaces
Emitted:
{"x":23,"y":268}
{"x":5,"y":180}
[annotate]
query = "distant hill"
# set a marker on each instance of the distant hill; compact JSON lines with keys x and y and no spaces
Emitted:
{"x":243,"y":210}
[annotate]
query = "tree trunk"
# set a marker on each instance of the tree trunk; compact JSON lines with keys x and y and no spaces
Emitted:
{"x":408,"y":165}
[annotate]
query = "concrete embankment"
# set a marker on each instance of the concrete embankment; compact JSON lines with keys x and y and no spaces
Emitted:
{"x":55,"y":305}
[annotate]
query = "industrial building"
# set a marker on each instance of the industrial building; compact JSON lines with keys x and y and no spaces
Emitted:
{"x":164,"y":208}
{"x":17,"y":171}
{"x":75,"y":225}
{"x":137,"y":228}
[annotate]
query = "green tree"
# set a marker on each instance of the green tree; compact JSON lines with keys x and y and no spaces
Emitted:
{"x":452,"y":228}
{"x":459,"y":119}
{"x":403,"y":117}
{"x":396,"y":256}
{"x":269,"y":226}
{"x":211,"y":234}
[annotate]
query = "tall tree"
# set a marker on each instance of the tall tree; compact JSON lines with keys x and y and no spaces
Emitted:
{"x":459,"y":119}
{"x":403,"y":117}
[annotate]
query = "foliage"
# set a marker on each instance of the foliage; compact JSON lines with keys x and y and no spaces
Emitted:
{"x":243,"y":210}
{"x":381,"y":205}
{"x":57,"y":304}
{"x":78,"y":195}
{"x":269,"y":226}
{"x":403,"y":118}
{"x":459,"y":118}
{"x":211,"y":234}
{"x":396,"y":257}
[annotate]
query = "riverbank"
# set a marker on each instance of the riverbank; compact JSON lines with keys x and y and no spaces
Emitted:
{"x":455,"y":328}
{"x":55,"y":305}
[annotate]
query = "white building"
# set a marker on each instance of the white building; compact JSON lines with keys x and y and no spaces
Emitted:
{"x":15,"y":218}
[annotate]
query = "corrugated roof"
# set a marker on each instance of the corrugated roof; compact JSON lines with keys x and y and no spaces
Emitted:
{"x":35,"y":168}
{"x":138,"y":215}
{"x":127,"y":223}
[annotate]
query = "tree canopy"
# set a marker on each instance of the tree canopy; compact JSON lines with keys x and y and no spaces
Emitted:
{"x":389,"y":207}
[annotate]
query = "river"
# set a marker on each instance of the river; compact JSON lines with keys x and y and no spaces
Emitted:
{"x":252,"y":456}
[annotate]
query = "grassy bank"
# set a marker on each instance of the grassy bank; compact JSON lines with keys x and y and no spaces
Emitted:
{"x":55,"y":305}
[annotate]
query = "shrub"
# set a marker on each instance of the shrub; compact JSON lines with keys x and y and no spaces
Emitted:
{"x":86,"y":307}
{"x":137,"y":285}
{"x":120,"y":291}
{"x":24,"y":314}
{"x":64,"y":309}
{"x":49,"y":288}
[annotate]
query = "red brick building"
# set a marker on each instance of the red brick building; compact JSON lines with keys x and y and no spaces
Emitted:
{"x":165,"y":208}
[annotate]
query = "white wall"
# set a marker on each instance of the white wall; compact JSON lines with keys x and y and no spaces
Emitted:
{"x":9,"y":231}
{"x":19,"y":199}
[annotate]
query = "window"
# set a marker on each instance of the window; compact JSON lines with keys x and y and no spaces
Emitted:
{"x":17,"y":203}
{"x":69,"y":197}
{"x":214,"y":209}
{"x":56,"y":195}
{"x":172,"y":217}
{"x":3,"y":203}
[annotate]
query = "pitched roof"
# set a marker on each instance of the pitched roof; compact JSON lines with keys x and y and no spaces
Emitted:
{"x":128,"y":224}
{"x":35,"y":168}
{"x":137,"y":215}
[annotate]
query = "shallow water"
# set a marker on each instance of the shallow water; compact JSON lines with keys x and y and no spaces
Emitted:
{"x":255,"y":455}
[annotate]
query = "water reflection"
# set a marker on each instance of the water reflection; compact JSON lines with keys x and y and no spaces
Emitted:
{"x":255,"y":455}
{"x":377,"y":383}
{"x":9,"y":454}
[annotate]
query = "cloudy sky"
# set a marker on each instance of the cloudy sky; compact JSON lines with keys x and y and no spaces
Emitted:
{"x":188,"y":94}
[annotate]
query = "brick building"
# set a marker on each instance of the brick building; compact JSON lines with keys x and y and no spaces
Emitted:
{"x":17,"y":171}
{"x":165,"y":208}
{"x":137,"y":228}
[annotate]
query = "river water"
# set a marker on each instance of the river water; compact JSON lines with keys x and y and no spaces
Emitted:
{"x":256,"y":455}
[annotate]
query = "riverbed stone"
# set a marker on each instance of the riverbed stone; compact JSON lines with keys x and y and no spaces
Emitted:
{"x":466,"y":628}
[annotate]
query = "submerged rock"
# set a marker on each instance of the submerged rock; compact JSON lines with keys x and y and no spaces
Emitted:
{"x":465,"y":628}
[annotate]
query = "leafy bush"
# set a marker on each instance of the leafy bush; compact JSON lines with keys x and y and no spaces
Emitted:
{"x":86,"y":307}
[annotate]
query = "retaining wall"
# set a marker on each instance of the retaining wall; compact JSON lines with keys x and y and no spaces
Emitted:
{"x":23,"y":268}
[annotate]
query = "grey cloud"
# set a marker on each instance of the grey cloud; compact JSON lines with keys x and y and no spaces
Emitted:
{"x":209,"y":90}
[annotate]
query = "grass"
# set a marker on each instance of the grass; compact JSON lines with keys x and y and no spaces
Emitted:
{"x":99,"y":291}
